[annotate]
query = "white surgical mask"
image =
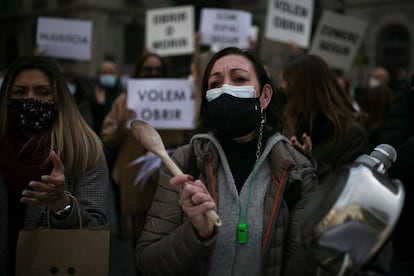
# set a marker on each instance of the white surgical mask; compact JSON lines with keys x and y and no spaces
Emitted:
{"x":245,"y":91}
{"x":373,"y":82}
{"x":108,"y":80}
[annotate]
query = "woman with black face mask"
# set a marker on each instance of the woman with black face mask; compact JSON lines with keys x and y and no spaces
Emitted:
{"x":48,"y":156}
{"x":240,"y":166}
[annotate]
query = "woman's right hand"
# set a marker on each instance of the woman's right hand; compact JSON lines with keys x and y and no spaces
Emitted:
{"x":125,"y":115}
{"x":121,"y":118}
{"x":195,"y":202}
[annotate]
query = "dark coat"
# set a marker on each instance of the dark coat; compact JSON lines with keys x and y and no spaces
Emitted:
{"x":352,"y":144}
{"x":399,"y":133}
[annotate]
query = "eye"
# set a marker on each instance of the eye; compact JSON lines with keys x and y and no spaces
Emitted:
{"x":240,"y":79}
{"x":18,"y":92}
{"x":213,"y":84}
{"x":43,"y":91}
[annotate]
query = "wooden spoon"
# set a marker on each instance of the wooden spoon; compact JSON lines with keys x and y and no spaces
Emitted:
{"x":150,"y":139}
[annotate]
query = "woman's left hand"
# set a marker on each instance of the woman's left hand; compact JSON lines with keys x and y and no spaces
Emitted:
{"x":50,"y":190}
{"x":307,"y":142}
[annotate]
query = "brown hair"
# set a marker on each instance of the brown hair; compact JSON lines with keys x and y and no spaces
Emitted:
{"x":274,"y":122}
{"x":375,"y":103}
{"x":312,"y":90}
{"x":140,"y":62}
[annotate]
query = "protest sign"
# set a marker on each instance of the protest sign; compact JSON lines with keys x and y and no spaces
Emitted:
{"x":64,"y":38}
{"x":163,"y":103}
{"x":222,"y":28}
{"x":289,"y":21}
{"x":170,"y":31}
{"x":254,"y":33}
{"x":337,"y":39}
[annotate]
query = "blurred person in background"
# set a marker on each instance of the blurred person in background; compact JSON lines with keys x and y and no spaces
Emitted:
{"x":379,"y":76}
{"x":134,"y":199}
{"x":319,"y":114}
{"x":398,"y":131}
{"x":79,"y":93}
{"x":108,"y":87}
{"x":374,"y":106}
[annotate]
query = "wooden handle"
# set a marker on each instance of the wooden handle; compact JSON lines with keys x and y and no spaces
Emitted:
{"x":150,"y":139}
{"x":175,"y":170}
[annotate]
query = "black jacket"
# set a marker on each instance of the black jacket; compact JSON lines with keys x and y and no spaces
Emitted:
{"x":399,"y":132}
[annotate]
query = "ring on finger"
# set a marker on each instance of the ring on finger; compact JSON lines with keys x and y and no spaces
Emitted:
{"x":193,"y":201}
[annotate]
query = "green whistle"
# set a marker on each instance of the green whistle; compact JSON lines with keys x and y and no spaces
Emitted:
{"x":242,"y":231}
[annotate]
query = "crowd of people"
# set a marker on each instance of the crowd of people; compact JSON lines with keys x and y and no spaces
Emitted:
{"x":259,"y":153}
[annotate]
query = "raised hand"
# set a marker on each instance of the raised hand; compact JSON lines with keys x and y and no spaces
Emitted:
{"x":50,"y":190}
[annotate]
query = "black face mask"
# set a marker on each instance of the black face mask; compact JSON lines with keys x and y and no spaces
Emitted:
{"x":232,"y":116}
{"x":32,"y":114}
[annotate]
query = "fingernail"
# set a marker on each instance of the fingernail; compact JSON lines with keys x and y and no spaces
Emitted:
{"x":190,"y":178}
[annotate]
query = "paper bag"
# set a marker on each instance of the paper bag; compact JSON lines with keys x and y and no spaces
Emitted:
{"x":44,"y":251}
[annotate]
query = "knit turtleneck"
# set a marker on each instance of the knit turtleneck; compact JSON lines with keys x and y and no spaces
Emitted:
{"x":241,"y":158}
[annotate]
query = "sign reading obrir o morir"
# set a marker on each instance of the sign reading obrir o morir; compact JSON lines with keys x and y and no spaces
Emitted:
{"x":169,"y":31}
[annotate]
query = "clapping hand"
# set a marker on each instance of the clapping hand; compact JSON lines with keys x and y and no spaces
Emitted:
{"x":50,"y":190}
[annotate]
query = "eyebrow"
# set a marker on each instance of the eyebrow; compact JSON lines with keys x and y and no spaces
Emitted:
{"x":218,"y":73}
{"x":37,"y":85}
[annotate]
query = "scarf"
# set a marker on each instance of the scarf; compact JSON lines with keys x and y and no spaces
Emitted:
{"x":21,"y":161}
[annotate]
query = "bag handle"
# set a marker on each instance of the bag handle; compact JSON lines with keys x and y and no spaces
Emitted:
{"x":75,"y":205}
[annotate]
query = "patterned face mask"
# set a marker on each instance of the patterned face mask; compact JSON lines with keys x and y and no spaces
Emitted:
{"x":32,"y":114}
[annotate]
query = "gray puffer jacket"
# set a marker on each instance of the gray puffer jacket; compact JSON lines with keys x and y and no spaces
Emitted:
{"x":285,"y":179}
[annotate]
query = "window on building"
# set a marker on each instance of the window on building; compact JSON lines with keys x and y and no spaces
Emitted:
{"x":134,"y":40}
{"x":39,"y":4}
{"x":393,"y":49}
{"x":133,"y":2}
{"x":10,"y":5}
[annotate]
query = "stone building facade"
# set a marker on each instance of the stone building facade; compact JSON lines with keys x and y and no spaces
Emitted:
{"x":119,"y":30}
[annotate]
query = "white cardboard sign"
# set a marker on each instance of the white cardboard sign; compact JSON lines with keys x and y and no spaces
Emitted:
{"x":222,"y":28}
{"x":163,"y":103}
{"x":64,"y":38}
{"x":170,"y":31}
{"x":337,"y":39}
{"x":289,"y":21}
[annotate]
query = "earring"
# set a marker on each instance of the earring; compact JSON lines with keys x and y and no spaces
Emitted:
{"x":262,"y":116}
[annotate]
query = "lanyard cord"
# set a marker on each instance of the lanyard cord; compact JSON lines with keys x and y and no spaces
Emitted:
{"x":243,"y":217}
